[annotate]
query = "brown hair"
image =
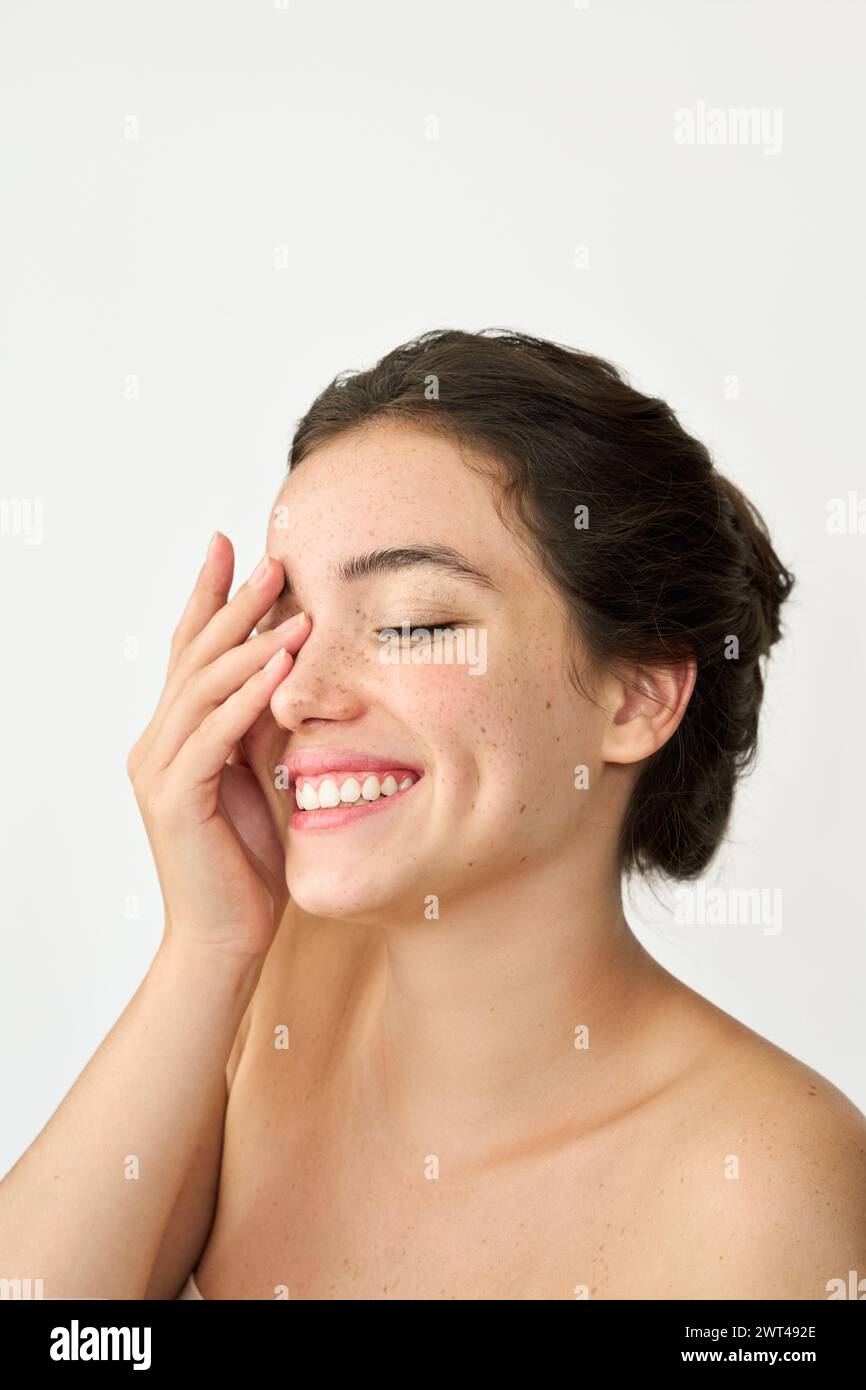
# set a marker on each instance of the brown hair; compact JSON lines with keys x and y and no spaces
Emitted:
{"x":674,"y":563}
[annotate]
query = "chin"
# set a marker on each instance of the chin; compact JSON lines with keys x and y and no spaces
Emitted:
{"x":369,"y":899}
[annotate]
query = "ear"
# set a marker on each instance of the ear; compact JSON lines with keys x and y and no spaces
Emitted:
{"x":645,"y":705}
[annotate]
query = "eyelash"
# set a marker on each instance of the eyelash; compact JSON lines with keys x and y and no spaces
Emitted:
{"x":441,"y":623}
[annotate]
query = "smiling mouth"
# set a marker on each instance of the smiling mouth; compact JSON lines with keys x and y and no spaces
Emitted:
{"x":336,"y":799}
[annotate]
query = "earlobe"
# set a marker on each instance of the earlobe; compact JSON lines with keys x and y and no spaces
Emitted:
{"x":647,"y":705}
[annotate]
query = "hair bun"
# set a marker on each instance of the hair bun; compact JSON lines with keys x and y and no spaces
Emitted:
{"x":768,"y":580}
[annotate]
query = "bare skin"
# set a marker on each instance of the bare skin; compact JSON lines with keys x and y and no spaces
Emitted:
{"x":627,"y":1194}
{"x":432,"y":1131}
{"x":490,"y":1090}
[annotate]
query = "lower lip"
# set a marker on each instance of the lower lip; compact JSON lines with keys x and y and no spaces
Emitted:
{"x":331,"y":817}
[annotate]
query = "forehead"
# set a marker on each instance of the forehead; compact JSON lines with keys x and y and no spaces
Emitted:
{"x":391,"y":485}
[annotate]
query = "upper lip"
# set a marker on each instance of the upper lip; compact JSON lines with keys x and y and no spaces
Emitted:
{"x":311,"y":762}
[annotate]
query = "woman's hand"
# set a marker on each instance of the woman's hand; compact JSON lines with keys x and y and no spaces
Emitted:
{"x":217,"y":854}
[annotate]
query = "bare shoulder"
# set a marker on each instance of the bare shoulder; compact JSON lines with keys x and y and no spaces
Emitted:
{"x":771,"y":1174}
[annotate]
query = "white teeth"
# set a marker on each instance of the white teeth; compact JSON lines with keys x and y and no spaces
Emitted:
{"x":350,"y":790}
{"x":329,"y":793}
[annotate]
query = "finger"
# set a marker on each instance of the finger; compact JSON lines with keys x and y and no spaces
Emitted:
{"x":238,"y":756}
{"x":231,"y":623}
{"x":210,"y":687}
{"x":209,"y":595}
{"x":248,"y":606}
{"x":204,"y":754}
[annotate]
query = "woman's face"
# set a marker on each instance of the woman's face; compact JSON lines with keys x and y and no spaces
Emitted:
{"x":495,"y":733}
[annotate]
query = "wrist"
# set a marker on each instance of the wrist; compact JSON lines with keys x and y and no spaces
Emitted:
{"x":185,"y":958}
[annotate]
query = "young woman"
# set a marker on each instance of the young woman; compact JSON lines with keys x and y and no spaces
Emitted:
{"x":399,"y":1041}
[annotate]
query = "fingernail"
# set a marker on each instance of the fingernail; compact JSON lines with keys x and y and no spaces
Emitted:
{"x":260,"y":570}
{"x":275,"y":659}
{"x":213,"y":540}
{"x":290,"y":625}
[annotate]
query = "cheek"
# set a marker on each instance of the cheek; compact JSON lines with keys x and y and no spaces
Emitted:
{"x":481,"y":731}
{"x":536,"y":730}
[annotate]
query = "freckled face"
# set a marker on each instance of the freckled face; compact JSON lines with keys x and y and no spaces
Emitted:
{"x":498,"y":749}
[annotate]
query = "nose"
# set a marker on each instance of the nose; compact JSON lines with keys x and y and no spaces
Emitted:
{"x":320,"y":685}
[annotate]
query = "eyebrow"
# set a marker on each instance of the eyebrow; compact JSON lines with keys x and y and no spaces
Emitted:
{"x":394,"y":558}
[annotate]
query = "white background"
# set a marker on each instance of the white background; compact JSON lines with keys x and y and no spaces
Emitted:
{"x":416,"y":166}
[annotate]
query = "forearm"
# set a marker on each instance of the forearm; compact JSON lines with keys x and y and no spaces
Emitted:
{"x":86,"y":1205}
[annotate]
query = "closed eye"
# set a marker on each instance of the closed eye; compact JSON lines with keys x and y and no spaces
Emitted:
{"x":440,"y":624}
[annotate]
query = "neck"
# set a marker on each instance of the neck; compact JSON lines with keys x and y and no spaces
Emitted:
{"x":519,"y":1014}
